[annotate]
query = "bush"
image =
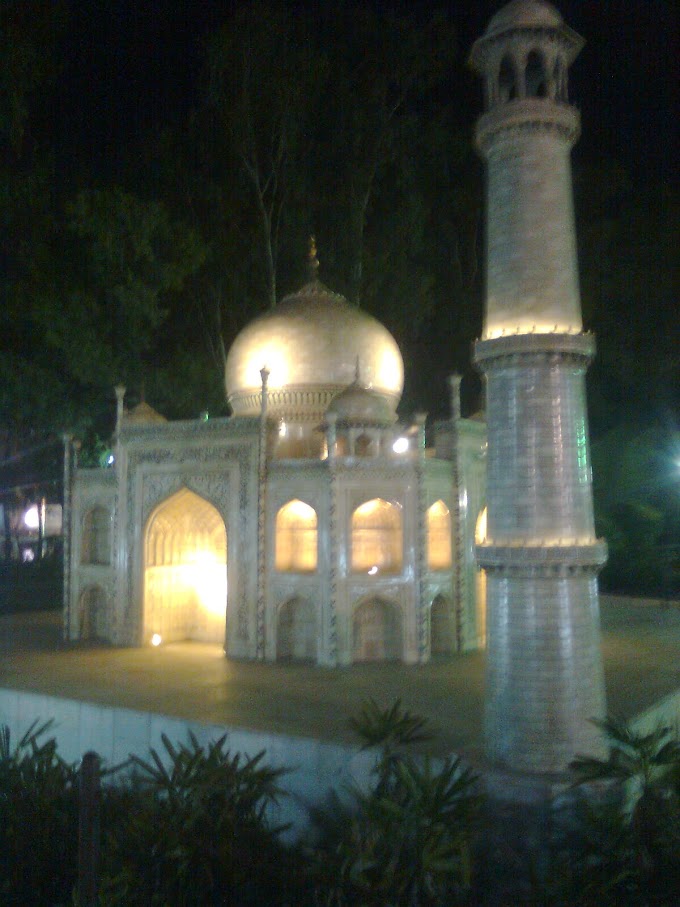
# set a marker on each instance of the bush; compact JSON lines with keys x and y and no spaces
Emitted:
{"x":38,"y":821}
{"x":408,"y":841}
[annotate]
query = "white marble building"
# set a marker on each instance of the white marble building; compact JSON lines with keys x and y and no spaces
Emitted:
{"x":309,"y":525}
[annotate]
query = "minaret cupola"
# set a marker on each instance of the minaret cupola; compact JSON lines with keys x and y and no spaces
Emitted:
{"x":526,"y":135}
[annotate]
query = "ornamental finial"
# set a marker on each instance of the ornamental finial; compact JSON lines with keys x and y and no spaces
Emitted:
{"x":313,"y":261}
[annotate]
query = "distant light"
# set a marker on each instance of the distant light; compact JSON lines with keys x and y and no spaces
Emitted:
{"x":156,"y":639}
{"x":373,"y":571}
{"x":283,"y":431}
{"x":400,"y":446}
{"x":110,"y":460}
{"x":205,"y":415}
{"x":32,"y":518}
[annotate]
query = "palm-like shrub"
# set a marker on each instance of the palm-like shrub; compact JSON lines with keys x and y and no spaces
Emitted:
{"x":38,"y":820}
{"x":628,"y":846}
{"x":407,"y":841}
{"x":193,"y":828}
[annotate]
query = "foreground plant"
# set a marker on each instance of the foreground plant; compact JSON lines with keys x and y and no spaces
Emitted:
{"x":626,"y":846}
{"x":408,"y":840}
{"x":193,"y":828}
{"x":38,"y":820}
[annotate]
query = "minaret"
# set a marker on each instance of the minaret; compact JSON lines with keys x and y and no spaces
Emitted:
{"x":544,"y":674}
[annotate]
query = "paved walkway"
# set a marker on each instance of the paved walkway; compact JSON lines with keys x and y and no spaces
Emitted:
{"x":641,"y":647}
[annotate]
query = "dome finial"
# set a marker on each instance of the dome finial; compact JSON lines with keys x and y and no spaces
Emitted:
{"x":313,"y":261}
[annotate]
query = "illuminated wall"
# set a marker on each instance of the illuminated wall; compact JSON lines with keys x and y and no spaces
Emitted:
{"x":296,"y":538}
{"x":377,"y":538}
{"x":185,"y":575}
{"x":439,"y":536}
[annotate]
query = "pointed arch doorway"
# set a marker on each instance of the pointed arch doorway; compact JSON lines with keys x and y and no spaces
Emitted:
{"x":185,"y":571}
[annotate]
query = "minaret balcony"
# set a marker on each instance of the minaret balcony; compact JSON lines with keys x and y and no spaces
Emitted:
{"x":528,"y":114}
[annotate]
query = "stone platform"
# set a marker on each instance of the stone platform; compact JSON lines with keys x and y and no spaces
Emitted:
{"x":192,"y":681}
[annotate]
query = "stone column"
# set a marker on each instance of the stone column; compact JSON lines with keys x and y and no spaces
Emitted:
{"x":261,"y":519}
{"x":544,"y":665}
{"x":421,"y":564}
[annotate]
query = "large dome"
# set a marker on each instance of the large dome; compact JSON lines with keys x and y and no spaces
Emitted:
{"x":311,"y":344}
{"x":524,"y":14}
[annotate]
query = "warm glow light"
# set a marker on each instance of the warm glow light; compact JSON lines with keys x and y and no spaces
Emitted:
{"x":373,"y":571}
{"x":156,"y":639}
{"x":506,"y":330}
{"x":296,"y":538}
{"x":283,"y":431}
{"x":271,"y":356}
{"x":185,"y":578}
{"x":438,"y":536}
{"x":32,"y":518}
{"x":400,"y":446}
{"x":390,"y":372}
{"x":480,"y":528}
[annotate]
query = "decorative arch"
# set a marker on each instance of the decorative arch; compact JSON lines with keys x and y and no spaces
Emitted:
{"x":438,"y":537}
{"x":185,"y":570}
{"x":507,"y":80}
{"x":296,"y":630}
{"x":92,"y":613}
{"x":363,"y":445}
{"x":376,"y":631}
{"x":480,"y":583}
{"x":441,"y":629}
{"x":96,"y":537}
{"x":535,"y":76}
{"x":377,"y":538}
{"x":296,"y":538}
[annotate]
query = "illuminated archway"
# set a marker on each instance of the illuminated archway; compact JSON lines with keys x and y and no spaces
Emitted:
{"x":480,"y":584}
{"x":376,"y":631}
{"x":438,"y":537}
{"x":296,"y":538}
{"x":377,"y":538}
{"x":185,"y":571}
{"x":296,"y":631}
{"x":441,"y":634}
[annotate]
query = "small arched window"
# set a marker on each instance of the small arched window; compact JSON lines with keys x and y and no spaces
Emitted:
{"x":96,"y":542}
{"x":438,"y":536}
{"x":535,"y":76}
{"x":296,"y":538}
{"x":377,"y":538}
{"x":507,"y":81}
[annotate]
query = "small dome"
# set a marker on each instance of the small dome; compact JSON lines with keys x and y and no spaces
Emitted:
{"x":143,"y":414}
{"x":310,"y":343}
{"x":359,"y":405}
{"x":524,"y":14}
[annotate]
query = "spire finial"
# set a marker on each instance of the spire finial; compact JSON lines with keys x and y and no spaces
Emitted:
{"x":357,"y":372}
{"x":313,"y":261}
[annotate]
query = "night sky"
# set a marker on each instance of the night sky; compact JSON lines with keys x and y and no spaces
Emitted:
{"x":132,"y":65}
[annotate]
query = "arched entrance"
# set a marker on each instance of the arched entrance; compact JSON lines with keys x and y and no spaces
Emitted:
{"x":376,"y":631}
{"x":441,"y":635}
{"x":296,"y":632}
{"x":185,"y":571}
{"x":92,"y":618}
{"x":480,"y":583}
